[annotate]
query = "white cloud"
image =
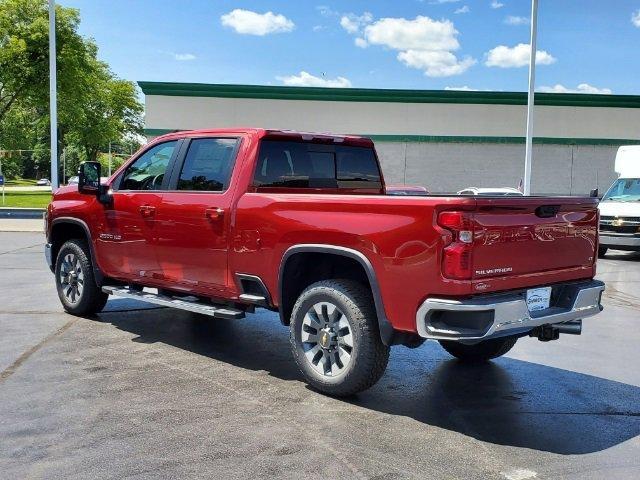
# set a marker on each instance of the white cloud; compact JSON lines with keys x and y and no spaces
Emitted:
{"x":421,"y":33}
{"x":422,"y":43}
{"x":326,"y":11}
{"x":305,"y":79}
{"x":181,"y":57}
{"x":361,"y":42}
{"x":635,"y":18}
{"x":184,"y":56}
{"x":515,"y":20}
{"x":518,"y":56}
{"x":317,"y":28}
{"x":353,"y":23}
{"x":253,"y":23}
{"x":582,"y":88}
{"x":464,"y":9}
{"x":436,"y":63}
{"x":496,"y":4}
{"x":464,"y":88}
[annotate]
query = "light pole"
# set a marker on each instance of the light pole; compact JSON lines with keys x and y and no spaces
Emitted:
{"x":528,"y":156}
{"x":53,"y":104}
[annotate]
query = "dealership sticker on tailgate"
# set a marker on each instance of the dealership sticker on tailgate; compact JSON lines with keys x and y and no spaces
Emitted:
{"x":538,"y":298}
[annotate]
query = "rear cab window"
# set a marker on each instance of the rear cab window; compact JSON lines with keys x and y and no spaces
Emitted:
{"x":300,"y":165}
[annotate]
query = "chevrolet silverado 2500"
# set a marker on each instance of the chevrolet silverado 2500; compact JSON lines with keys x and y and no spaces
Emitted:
{"x":220,"y":222}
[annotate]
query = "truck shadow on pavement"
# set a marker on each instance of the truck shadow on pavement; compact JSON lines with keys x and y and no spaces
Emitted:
{"x":507,"y":402}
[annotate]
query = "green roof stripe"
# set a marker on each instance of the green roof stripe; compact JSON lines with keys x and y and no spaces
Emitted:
{"x":154,"y":132}
{"x":385,"y":95}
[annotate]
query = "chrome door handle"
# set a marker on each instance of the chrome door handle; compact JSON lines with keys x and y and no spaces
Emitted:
{"x":214,"y":213}
{"x":147,"y":210}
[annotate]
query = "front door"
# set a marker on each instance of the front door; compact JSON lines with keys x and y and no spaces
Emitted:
{"x":194,"y":220}
{"x":127,"y":231}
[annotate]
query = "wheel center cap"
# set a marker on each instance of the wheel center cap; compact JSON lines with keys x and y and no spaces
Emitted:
{"x":326,"y":338}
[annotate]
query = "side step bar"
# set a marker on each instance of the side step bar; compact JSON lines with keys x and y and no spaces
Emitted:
{"x":166,"y":301}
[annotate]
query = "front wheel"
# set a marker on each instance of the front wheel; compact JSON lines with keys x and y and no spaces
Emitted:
{"x":479,"y":352}
{"x":75,"y":282}
{"x":335,"y":338}
{"x":602,"y":251}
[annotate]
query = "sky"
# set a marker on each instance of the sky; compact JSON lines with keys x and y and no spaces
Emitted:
{"x":588,"y":46}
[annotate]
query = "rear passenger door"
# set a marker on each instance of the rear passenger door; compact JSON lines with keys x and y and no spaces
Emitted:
{"x":194,"y":216}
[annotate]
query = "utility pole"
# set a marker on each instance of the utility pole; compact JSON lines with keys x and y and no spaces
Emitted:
{"x":109,"y":159}
{"x":528,"y":156}
{"x":64,"y":166}
{"x":53,"y":103}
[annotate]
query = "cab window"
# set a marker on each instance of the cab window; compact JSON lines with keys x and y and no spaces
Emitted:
{"x":148,"y":171}
{"x":208,"y":164}
{"x":311,"y":165}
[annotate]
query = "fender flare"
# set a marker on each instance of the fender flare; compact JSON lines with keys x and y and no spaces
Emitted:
{"x":385,"y":327}
{"x":97,"y":273}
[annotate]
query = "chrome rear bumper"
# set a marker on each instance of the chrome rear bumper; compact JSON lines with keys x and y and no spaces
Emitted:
{"x":505,"y":314}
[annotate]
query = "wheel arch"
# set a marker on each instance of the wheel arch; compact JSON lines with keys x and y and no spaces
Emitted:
{"x":68,"y":228}
{"x":287,"y":295}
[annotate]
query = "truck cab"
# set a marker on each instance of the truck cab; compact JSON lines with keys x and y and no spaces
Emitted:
{"x":620,"y":205}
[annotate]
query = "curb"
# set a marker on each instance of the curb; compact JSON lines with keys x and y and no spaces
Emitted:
{"x":12,"y":212}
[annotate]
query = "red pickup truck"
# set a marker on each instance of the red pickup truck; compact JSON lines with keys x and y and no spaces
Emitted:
{"x":220,"y":222}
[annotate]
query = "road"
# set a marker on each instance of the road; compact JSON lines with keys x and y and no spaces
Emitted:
{"x":145,"y":392}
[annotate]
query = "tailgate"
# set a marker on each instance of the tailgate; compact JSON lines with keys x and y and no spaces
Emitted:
{"x":521,"y":236}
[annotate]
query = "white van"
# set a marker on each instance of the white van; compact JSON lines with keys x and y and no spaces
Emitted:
{"x":620,"y":206}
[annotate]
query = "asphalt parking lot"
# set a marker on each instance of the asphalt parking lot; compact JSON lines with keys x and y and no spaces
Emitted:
{"x":146,"y":392}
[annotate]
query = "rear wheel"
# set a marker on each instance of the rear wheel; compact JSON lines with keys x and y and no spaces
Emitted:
{"x":335,"y":338}
{"x":479,"y":352}
{"x":602,"y":251}
{"x":75,"y":282}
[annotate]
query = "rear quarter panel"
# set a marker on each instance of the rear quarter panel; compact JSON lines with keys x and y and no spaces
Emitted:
{"x":396,"y":234}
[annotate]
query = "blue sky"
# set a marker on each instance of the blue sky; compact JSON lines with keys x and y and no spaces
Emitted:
{"x":429,"y":44}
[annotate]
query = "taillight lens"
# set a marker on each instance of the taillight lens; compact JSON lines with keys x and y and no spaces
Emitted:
{"x":457,"y":260}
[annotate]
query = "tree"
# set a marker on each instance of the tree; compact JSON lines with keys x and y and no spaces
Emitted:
{"x":94,"y":106}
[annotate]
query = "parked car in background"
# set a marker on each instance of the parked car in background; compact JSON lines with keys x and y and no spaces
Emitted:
{"x":43,"y":182}
{"x":221,"y":222}
{"x":620,"y":206}
{"x":72,"y":180}
{"x":410,"y":190}
{"x":492,"y":192}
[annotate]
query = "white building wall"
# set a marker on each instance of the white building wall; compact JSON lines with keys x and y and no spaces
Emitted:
{"x":439,"y":166}
{"x":449,"y":167}
{"x":389,"y":118}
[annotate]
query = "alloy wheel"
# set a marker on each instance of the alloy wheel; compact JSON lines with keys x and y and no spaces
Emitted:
{"x":327,"y":339}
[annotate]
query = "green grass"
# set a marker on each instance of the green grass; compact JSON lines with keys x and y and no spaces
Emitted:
{"x":20,"y":182}
{"x":25,"y":199}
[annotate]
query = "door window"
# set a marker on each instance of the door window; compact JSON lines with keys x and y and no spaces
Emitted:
{"x":208,"y":164}
{"x":148,"y":171}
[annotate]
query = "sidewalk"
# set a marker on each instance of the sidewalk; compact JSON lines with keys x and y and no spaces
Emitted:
{"x":21,"y":225}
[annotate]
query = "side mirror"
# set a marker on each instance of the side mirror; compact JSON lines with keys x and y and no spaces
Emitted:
{"x":89,"y":178}
{"x":594,"y":193}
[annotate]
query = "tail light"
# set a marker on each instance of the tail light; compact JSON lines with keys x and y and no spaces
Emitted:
{"x":457,"y":259}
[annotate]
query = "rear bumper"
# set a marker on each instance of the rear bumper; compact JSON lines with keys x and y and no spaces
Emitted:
{"x":506,"y":314}
{"x":619,"y":240}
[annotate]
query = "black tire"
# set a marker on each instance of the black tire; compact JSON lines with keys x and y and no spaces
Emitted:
{"x":90,"y":298}
{"x":480,"y":352}
{"x":368,"y":356}
{"x":602,"y":251}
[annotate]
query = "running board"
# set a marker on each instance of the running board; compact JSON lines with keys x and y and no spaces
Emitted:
{"x":165,"y":301}
{"x":255,"y":299}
